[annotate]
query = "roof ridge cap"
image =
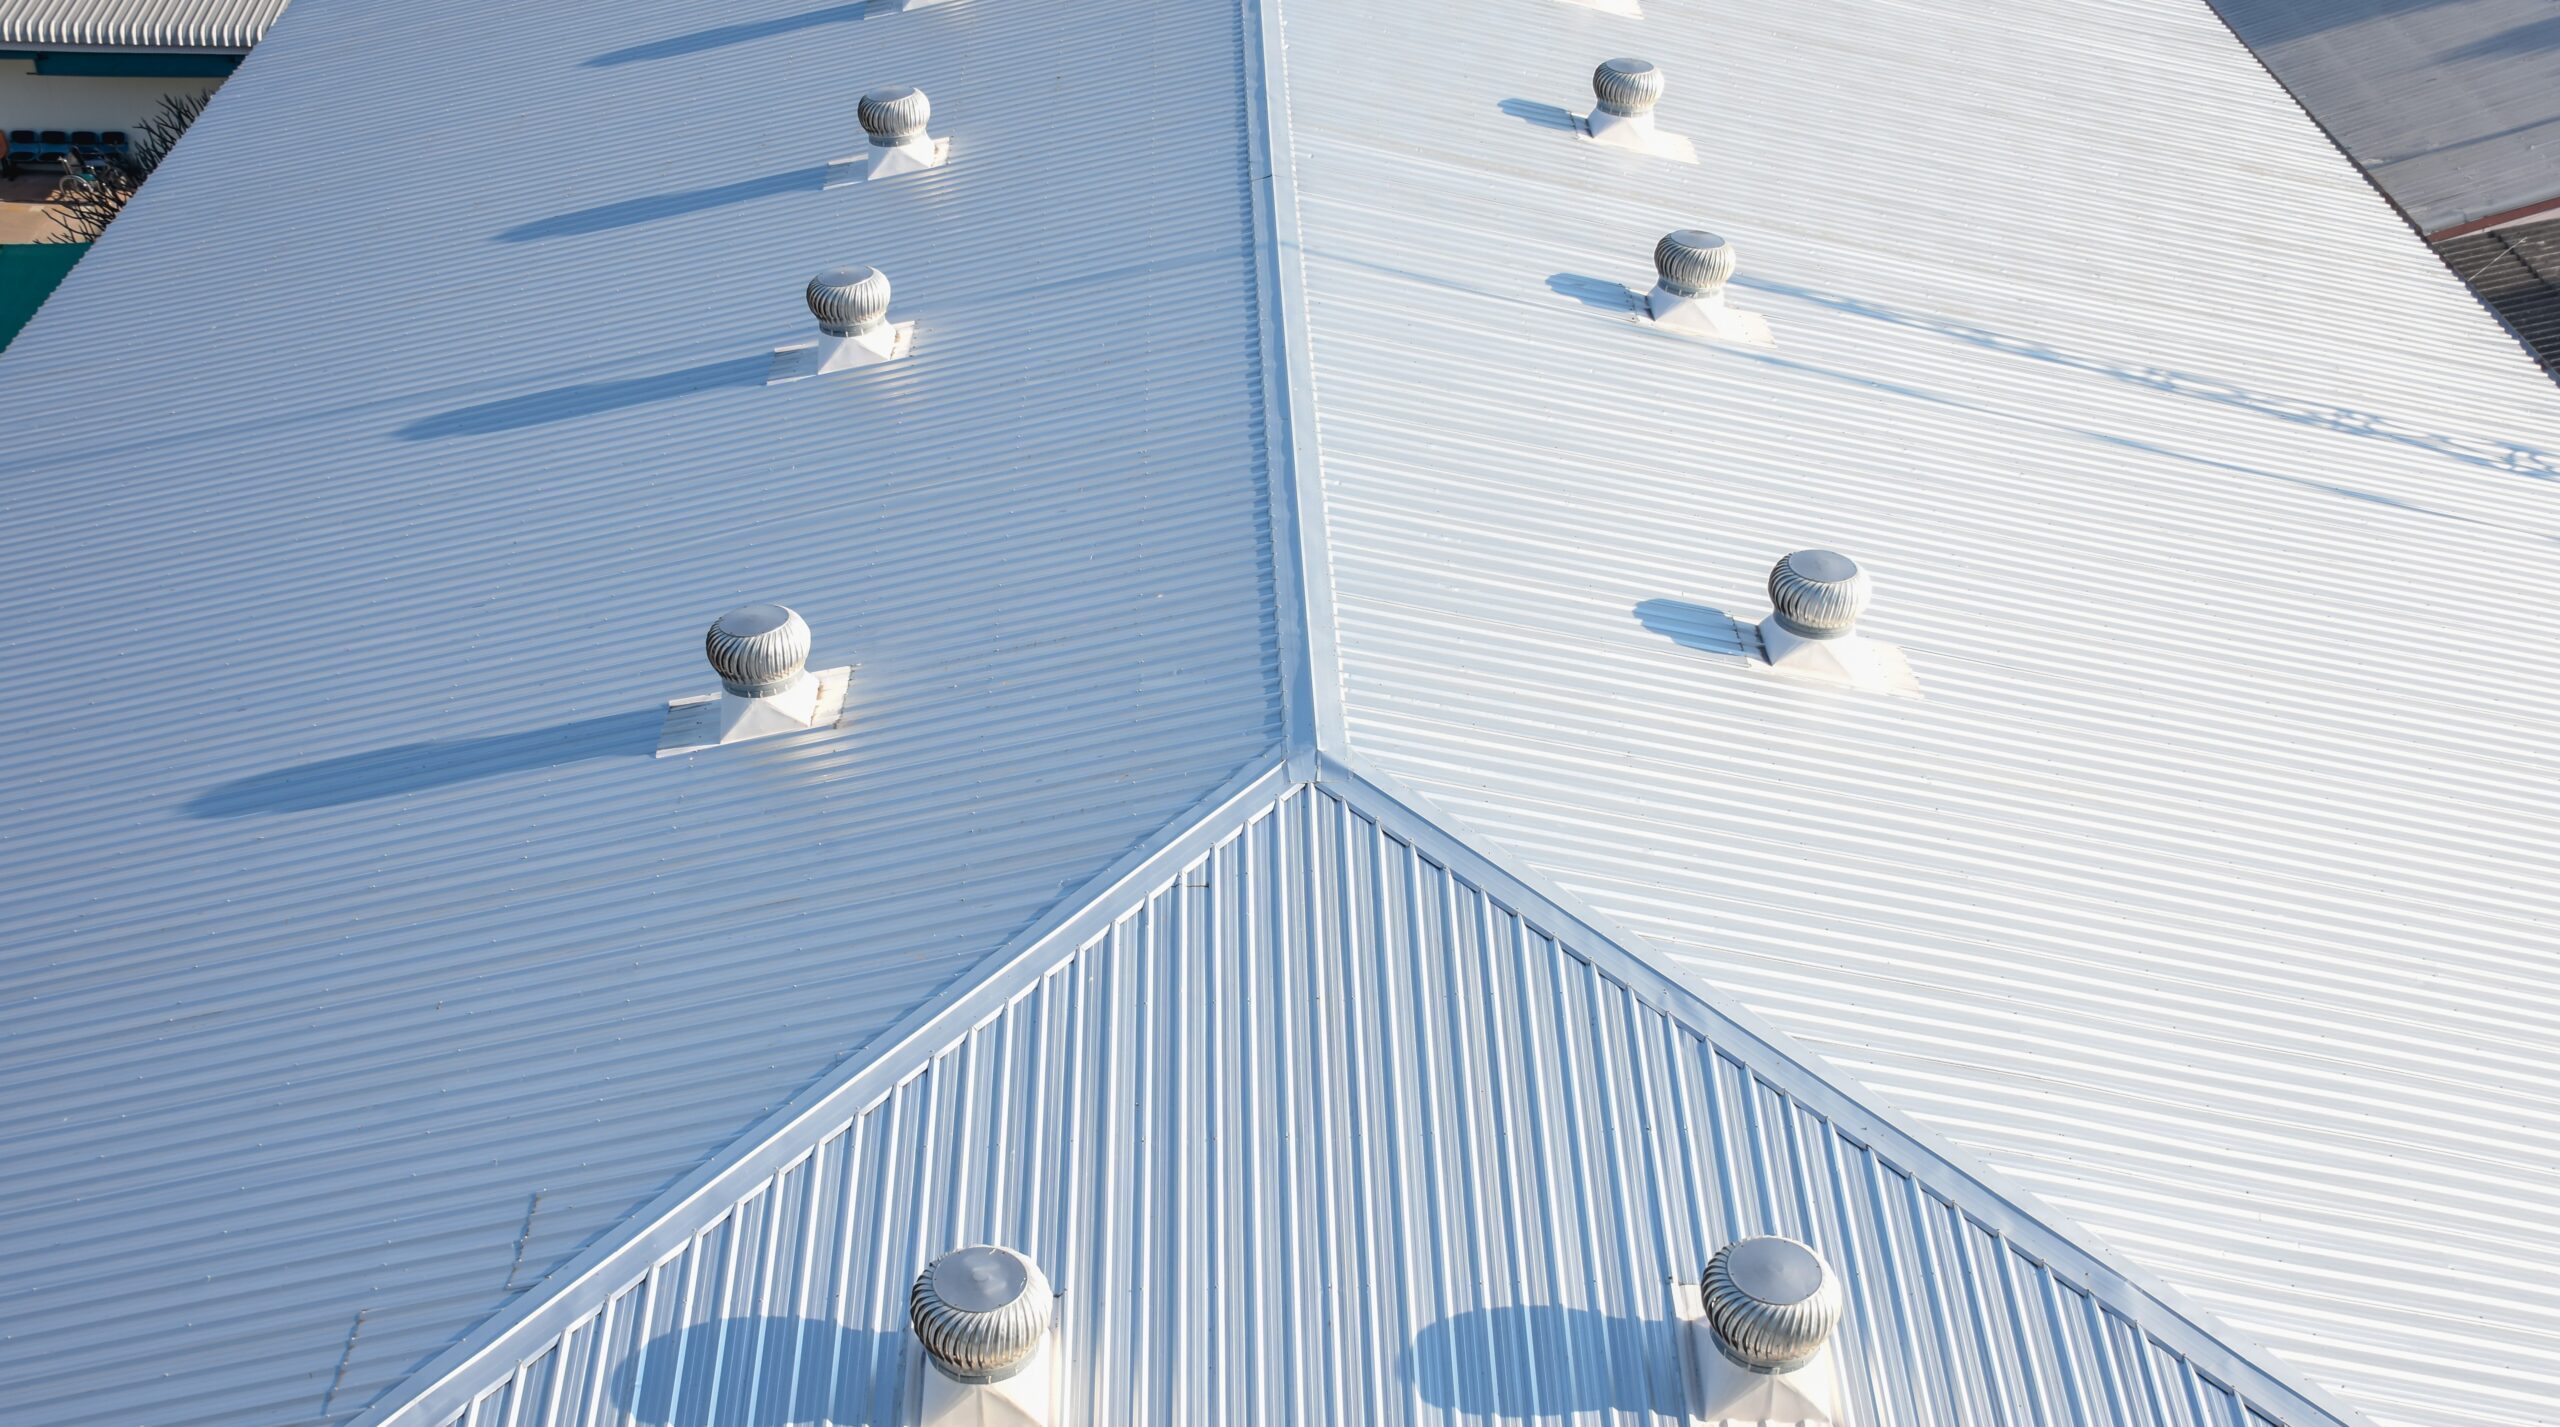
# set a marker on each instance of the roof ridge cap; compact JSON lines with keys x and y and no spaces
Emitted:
{"x":1301,"y":569}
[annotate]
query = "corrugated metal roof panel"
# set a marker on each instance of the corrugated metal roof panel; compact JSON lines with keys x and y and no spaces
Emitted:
{"x":2207,"y":892}
{"x":138,"y":24}
{"x":2446,"y":103}
{"x":1319,"y":1129}
{"x":377,"y":996}
{"x":366,"y":964}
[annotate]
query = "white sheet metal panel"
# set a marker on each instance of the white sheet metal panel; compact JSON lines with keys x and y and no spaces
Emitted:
{"x":365,"y":500}
{"x":2448,"y":104}
{"x":1320,"y":1131}
{"x":138,"y":24}
{"x":2209,"y":891}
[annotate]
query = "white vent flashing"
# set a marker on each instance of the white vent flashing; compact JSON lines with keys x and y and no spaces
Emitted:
{"x":761,"y":653}
{"x":1626,"y":91}
{"x":1726,"y":1391}
{"x":1688,"y":295}
{"x":1757,"y":1328}
{"x":1811,"y":631}
{"x":985,"y":1321}
{"x":894,"y":120}
{"x":1628,"y":8}
{"x":854,"y":330}
{"x":1029,"y":1398}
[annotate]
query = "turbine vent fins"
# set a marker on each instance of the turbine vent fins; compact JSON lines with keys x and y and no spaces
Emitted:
{"x":981,"y":1312}
{"x":894,"y":115}
{"x":1771,"y":1301}
{"x":1627,"y":86}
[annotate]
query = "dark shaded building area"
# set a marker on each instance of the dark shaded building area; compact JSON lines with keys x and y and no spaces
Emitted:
{"x":2516,"y":271}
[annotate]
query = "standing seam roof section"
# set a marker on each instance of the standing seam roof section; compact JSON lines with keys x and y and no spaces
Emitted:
{"x":138,"y":24}
{"x":1314,"y":1052}
{"x":2205,"y":893}
{"x":363,"y":963}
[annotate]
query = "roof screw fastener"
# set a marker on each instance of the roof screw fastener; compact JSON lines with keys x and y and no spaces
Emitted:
{"x":981,"y":1312}
{"x":1771,"y":1301}
{"x":894,"y":115}
{"x":1627,"y":87}
{"x":1819,"y":594}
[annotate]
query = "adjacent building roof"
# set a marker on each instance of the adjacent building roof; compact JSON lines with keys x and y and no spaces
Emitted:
{"x":137,"y":24}
{"x":1270,"y":475}
{"x":2448,"y":104}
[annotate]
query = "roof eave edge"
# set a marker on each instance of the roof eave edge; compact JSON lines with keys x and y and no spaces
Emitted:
{"x":1301,"y":571}
{"x":447,"y":1384}
{"x":2016,"y":1215}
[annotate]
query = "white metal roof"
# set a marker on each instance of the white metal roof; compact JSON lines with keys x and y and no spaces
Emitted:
{"x":361,"y":958}
{"x":137,"y":24}
{"x":1313,"y":1120}
{"x":376,"y":1004}
{"x":2208,"y":891}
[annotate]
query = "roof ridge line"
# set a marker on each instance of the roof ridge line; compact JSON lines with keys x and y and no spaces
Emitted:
{"x":427,"y":1396}
{"x":1301,"y":568}
{"x":2012,"y":1212}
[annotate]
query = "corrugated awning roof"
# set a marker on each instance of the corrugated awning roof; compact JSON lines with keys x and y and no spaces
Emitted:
{"x":137,"y":24}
